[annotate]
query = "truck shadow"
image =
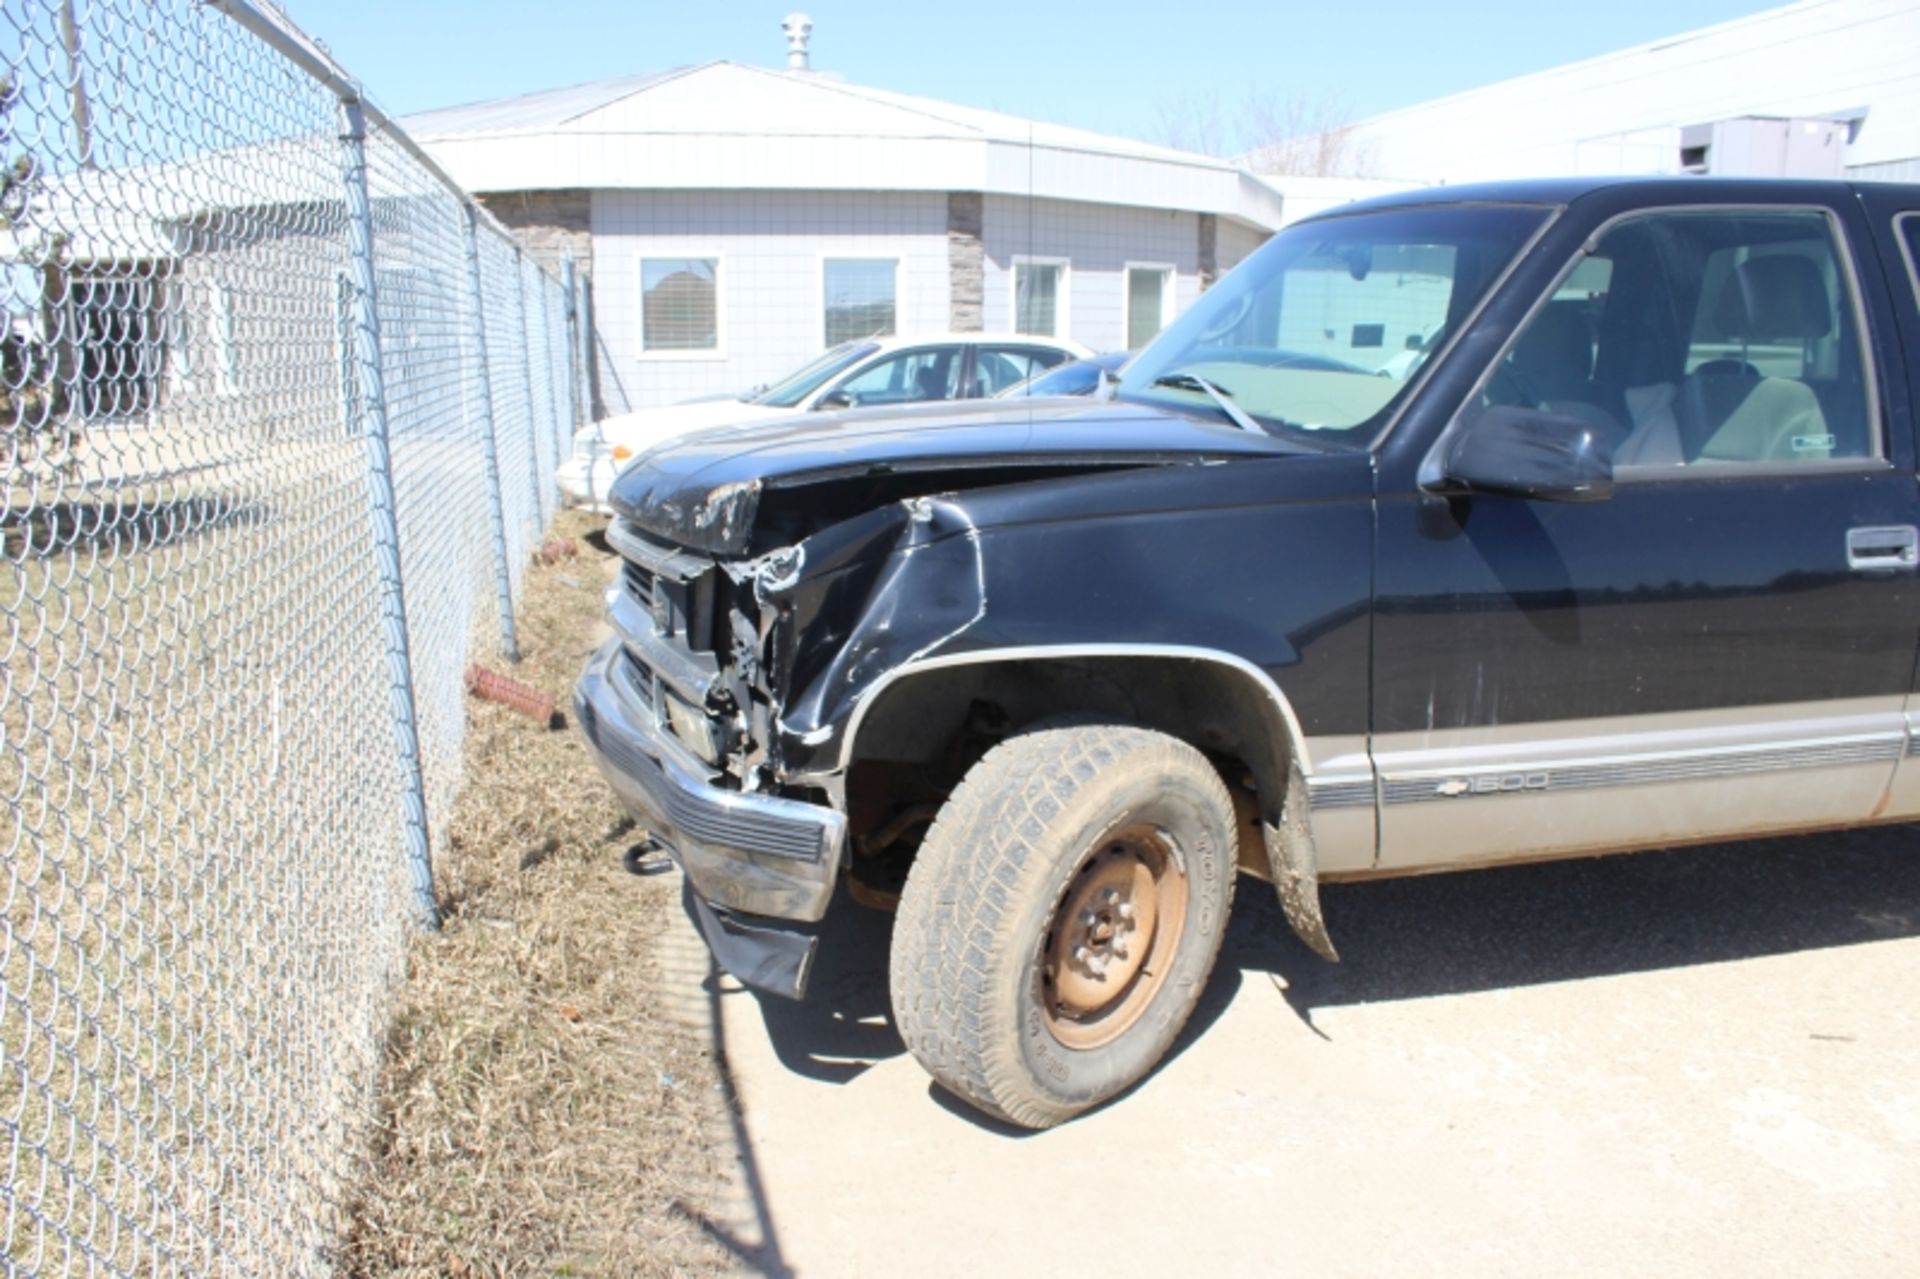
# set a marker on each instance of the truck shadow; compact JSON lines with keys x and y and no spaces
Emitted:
{"x":1595,"y":917}
{"x":1454,"y":934}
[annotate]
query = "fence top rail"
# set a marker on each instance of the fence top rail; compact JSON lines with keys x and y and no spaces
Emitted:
{"x":278,"y":32}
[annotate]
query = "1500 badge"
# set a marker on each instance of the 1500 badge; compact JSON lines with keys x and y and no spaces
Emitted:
{"x":1493,"y":784}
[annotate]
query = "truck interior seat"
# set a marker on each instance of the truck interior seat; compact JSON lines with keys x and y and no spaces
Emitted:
{"x":1724,"y":409}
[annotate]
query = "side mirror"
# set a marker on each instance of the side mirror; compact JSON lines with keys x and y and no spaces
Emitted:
{"x":834,"y":400}
{"x":1517,"y":452}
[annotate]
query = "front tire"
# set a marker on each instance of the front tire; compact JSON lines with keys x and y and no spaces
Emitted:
{"x":1062,"y":917}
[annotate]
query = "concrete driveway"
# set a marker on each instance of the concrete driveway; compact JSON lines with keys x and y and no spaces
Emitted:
{"x":1697,"y":1062}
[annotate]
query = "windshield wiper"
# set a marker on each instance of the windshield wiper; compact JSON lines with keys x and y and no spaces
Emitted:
{"x":1194,"y":382}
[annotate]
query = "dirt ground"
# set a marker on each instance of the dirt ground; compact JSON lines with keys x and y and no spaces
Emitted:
{"x":1700,"y":1062}
{"x":1692,"y":1063}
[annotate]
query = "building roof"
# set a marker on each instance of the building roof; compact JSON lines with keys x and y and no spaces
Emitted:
{"x":724,"y":125}
{"x":1621,"y":111}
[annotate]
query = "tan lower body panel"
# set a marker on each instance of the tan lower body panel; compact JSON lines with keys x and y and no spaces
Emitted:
{"x":1458,"y":798}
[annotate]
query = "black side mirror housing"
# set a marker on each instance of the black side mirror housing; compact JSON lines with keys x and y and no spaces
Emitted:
{"x":1518,"y":452}
{"x":834,"y":400}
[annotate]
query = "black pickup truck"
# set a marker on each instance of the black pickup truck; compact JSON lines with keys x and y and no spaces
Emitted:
{"x":1462,"y":527}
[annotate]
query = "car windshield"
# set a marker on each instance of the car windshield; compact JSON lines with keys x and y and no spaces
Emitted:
{"x":1321,"y":331}
{"x":790,"y":390}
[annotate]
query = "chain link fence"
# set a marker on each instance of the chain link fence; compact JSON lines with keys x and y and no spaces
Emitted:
{"x":281,"y":410}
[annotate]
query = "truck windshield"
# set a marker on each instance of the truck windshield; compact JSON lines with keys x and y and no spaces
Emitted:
{"x":1321,"y":330}
{"x":798,"y":385}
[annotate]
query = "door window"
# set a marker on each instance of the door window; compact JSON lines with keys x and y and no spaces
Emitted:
{"x":995,"y":368}
{"x":1909,"y":224}
{"x":926,"y":373}
{"x":1694,"y":338}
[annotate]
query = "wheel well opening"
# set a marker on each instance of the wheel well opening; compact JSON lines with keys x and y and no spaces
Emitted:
{"x":925,"y":731}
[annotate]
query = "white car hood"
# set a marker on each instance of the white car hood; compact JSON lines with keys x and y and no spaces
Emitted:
{"x":642,"y":430}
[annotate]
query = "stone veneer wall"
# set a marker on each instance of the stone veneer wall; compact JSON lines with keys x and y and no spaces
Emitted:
{"x":1209,"y":250}
{"x":549,"y":225}
{"x":966,"y":260}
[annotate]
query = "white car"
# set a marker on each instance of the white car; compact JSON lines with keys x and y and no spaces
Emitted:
{"x":861,"y":374}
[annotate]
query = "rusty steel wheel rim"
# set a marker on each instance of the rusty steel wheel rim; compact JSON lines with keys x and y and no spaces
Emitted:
{"x":1112,"y":938}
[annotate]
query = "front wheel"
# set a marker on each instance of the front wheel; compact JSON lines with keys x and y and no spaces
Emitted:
{"x":1062,"y":917}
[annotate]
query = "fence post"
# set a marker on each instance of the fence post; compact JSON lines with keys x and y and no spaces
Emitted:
{"x":526,"y":376}
{"x":567,"y":278}
{"x":558,"y":380}
{"x":496,"y":504}
{"x":583,"y":351}
{"x":386,"y":526}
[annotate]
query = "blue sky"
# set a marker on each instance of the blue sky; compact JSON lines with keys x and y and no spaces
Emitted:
{"x":1125,"y":66}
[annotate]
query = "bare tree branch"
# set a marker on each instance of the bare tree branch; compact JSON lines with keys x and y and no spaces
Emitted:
{"x":1298,"y":134}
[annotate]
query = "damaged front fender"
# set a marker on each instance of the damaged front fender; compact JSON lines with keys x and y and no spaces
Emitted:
{"x":859,"y":602}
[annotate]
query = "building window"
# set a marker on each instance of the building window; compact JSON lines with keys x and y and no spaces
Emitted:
{"x":1039,"y":297}
{"x":1149,"y":289}
{"x":117,"y":339}
{"x":860,"y":298}
{"x":680,"y":304}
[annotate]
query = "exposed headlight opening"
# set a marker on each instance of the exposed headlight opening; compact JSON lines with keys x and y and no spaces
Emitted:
{"x":696,"y":732}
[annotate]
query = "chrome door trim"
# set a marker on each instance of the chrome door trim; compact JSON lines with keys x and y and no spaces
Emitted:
{"x":1680,"y":766}
{"x":1633,"y":750}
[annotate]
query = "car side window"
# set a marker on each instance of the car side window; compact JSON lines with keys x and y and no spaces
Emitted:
{"x":925,"y":373}
{"x":1693,"y":338}
{"x":995,"y":368}
{"x":1909,"y":227}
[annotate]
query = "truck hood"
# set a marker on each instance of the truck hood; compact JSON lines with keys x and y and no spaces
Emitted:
{"x":701,"y":492}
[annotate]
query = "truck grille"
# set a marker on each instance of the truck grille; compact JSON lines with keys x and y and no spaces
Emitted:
{"x":639,"y":683}
{"x":639,"y":583}
{"x":665,"y":613}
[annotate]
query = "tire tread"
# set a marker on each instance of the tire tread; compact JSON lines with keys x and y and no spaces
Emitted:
{"x":978,"y":863}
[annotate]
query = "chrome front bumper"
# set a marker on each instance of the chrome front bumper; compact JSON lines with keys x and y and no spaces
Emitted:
{"x":755,"y":854}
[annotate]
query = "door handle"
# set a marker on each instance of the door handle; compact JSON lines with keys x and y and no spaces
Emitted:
{"x":1892,"y":547}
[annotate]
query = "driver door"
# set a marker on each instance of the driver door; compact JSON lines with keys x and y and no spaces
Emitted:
{"x":1722,"y":646}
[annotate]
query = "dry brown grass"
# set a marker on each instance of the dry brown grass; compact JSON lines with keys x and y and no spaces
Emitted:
{"x":542,"y":1112}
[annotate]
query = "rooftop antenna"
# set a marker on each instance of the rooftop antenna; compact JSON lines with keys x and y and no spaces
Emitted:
{"x":798,"y":27}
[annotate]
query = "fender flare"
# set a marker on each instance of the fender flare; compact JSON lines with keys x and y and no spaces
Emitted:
{"x":1290,"y":853}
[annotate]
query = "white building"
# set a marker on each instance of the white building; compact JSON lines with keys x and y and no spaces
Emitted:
{"x":735,"y":221}
{"x":1818,"y":88}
